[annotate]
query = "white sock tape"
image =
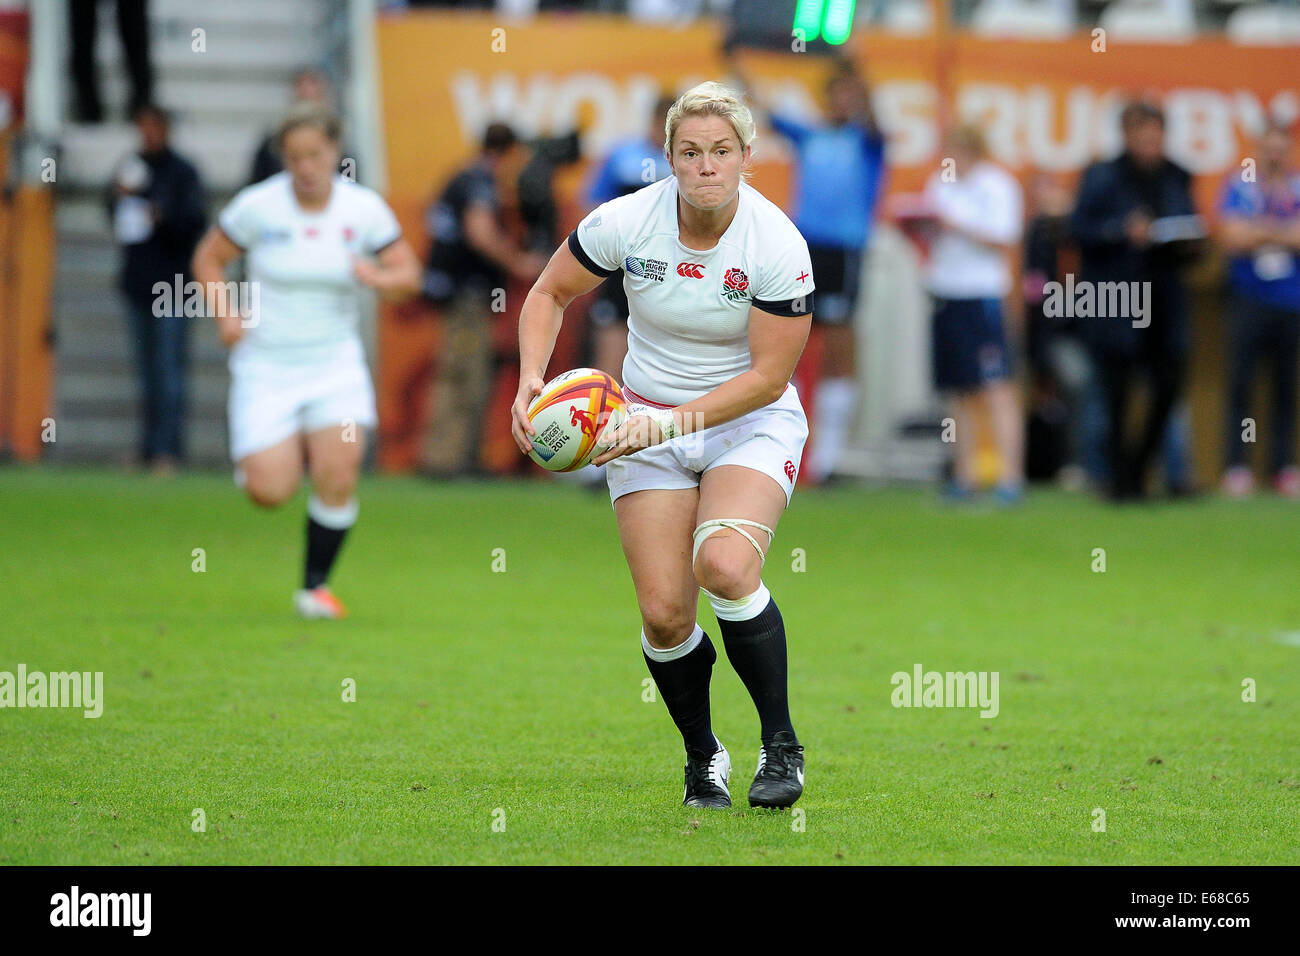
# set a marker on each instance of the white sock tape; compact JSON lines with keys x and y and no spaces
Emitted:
{"x":337,"y":517}
{"x":672,"y":653}
{"x":742,"y":609}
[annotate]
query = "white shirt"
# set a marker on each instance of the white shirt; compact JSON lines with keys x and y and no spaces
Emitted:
{"x":306,"y":302}
{"x":688,"y":325}
{"x":987,"y":200}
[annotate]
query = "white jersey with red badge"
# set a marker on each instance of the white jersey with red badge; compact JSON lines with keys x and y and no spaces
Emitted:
{"x":688,"y":327}
{"x":308,"y":301}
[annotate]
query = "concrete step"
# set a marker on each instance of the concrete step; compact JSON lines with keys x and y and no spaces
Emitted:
{"x":107,"y":343}
{"x":222,"y":153}
{"x":114,"y":380}
{"x":115,"y":439}
{"x":304,"y":13}
{"x":223,"y":100}
{"x":262,"y":48}
{"x":241,"y":99}
{"x":126,"y":407}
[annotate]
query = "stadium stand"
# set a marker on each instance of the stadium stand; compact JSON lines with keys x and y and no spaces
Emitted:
{"x":224,"y":89}
{"x":1267,"y":25}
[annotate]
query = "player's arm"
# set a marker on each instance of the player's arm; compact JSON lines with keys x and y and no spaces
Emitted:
{"x":213,"y":254}
{"x":395,"y":273}
{"x":775,"y":344}
{"x":486,"y":237}
{"x":1241,"y":235}
{"x":562,"y":281}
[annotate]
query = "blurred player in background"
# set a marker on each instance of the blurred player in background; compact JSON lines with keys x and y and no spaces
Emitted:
{"x":719,"y":289}
{"x":310,"y":85}
{"x":980,"y":213}
{"x":1260,"y":227}
{"x":839,"y":165}
{"x":300,"y":391}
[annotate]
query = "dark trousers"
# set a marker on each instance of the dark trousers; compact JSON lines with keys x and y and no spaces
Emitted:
{"x":1259,"y":331}
{"x":162,"y":360}
{"x":462,"y":385}
{"x":133,"y":29}
{"x":1165,"y":368}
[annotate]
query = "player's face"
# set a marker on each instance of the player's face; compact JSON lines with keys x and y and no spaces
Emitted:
{"x":1145,"y":141}
{"x":707,"y":161}
{"x":312,"y":158}
{"x":1276,"y":151}
{"x":843,"y":100}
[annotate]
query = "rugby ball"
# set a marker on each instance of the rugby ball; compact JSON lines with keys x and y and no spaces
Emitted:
{"x":569,"y":414}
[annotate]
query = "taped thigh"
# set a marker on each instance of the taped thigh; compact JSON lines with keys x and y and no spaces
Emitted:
{"x":706,"y":528}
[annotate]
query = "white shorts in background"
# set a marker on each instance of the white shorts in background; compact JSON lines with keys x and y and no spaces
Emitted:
{"x":271,"y":400}
{"x":769,"y":439}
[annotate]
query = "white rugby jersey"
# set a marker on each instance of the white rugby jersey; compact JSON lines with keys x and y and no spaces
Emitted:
{"x":689,"y":310}
{"x":988,"y":200}
{"x":306,"y":301}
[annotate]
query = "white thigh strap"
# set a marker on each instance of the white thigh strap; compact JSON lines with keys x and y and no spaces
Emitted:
{"x":717,"y":524}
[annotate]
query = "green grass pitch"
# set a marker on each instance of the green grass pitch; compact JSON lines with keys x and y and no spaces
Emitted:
{"x":499,"y":714}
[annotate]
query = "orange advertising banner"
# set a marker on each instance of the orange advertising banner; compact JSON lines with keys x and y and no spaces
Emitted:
{"x":1045,"y":106}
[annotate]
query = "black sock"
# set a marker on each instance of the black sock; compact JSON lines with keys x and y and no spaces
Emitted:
{"x":756,"y":649}
{"x":684,"y":685}
{"x":322,"y":548}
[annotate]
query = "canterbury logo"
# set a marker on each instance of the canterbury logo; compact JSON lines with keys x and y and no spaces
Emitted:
{"x":690,"y":270}
{"x":789,"y":469}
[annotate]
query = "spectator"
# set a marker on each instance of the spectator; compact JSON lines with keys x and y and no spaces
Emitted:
{"x":1119,"y":201}
{"x":1261,"y":230}
{"x":133,"y":29}
{"x":1056,"y":357}
{"x":980,"y":212}
{"x":157,"y":205}
{"x":840,"y":165}
{"x":310,"y":85}
{"x":471,"y":258}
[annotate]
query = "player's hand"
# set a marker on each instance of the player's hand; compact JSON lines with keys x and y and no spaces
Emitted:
{"x":528,"y":267}
{"x":521,"y":428}
{"x":231,"y":329}
{"x":367,"y":273}
{"x":637,"y":432}
{"x":1138,"y":229}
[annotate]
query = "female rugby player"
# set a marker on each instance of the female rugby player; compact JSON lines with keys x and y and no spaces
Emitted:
{"x":719,"y":288}
{"x":300,"y":391}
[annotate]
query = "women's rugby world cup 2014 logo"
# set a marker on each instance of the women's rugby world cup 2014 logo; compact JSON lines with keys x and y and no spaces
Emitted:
{"x":735,"y":284}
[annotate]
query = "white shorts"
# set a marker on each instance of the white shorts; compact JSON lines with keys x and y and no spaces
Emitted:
{"x":273,"y":400}
{"x":769,"y":439}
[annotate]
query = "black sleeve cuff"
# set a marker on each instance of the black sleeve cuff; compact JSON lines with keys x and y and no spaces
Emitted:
{"x":800,"y":305}
{"x":232,"y":241}
{"x":587,"y":262}
{"x":384,"y":245}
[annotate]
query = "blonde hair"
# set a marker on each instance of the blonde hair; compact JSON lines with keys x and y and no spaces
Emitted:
{"x":971,"y":137}
{"x":710,"y":99}
{"x":309,"y":114}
